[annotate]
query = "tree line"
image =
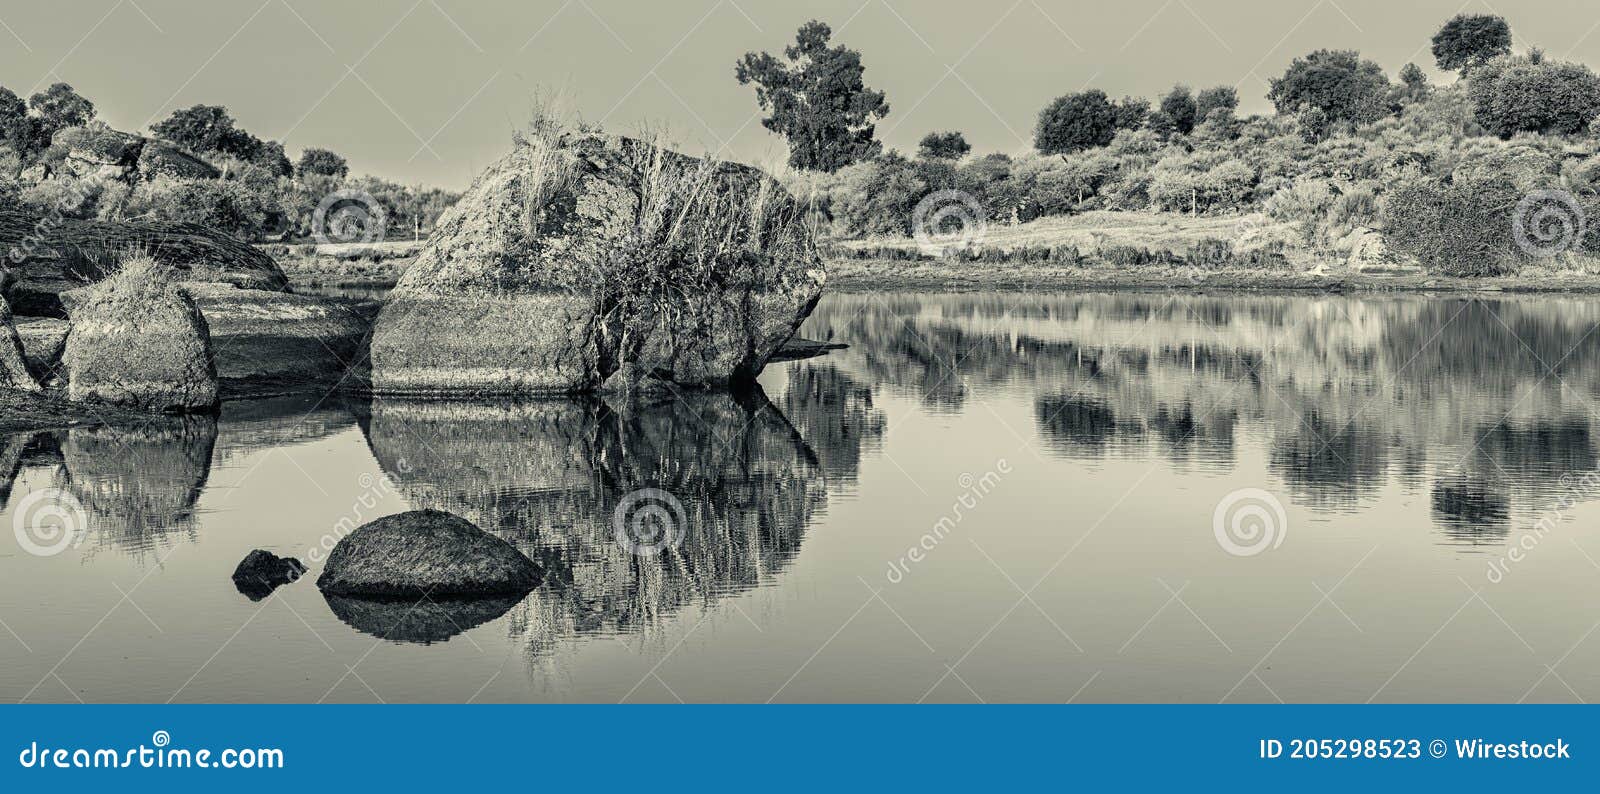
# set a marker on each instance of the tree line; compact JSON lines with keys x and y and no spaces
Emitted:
{"x":261,"y":193}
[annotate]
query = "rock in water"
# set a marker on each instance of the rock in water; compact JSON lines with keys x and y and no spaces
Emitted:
{"x":578,"y":253}
{"x":137,"y":340}
{"x":13,"y":361}
{"x":425,"y":553}
{"x":261,"y":572}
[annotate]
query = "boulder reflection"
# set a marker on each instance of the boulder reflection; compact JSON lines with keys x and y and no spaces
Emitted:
{"x":549,"y":477}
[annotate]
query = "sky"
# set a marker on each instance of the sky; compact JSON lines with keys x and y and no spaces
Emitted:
{"x":429,"y":91}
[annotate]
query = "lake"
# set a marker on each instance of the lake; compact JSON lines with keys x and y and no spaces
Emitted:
{"x":1162,"y":497}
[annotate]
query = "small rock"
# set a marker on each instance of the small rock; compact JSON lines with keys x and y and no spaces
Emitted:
{"x":425,"y":553}
{"x":261,"y":572}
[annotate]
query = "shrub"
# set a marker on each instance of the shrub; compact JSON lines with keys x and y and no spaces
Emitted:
{"x":1460,"y":228}
{"x":1528,"y":94}
{"x":71,"y":198}
{"x":225,"y":205}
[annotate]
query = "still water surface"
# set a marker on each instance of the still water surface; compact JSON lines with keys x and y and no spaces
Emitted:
{"x":1002,"y":496}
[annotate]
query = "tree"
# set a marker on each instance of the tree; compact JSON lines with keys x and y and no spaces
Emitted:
{"x":943,"y":146}
{"x":321,"y":162}
{"x":1336,"y":82}
{"x":1413,"y":78}
{"x":269,"y":155}
{"x":1076,"y":122}
{"x":1179,"y":108}
{"x":1470,"y":40}
{"x":208,"y":128}
{"x":16,"y":129}
{"x":1131,"y":112}
{"x":1529,"y":94}
{"x":59,"y":107}
{"x":1223,"y":97}
{"x":818,"y":100}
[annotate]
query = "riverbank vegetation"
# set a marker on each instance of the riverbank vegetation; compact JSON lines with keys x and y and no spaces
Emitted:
{"x":197,"y":165}
{"x":1485,"y":176}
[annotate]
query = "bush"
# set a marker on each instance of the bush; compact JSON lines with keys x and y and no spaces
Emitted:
{"x":1528,"y":94}
{"x":71,"y":198}
{"x":225,"y":205}
{"x":1460,"y":228}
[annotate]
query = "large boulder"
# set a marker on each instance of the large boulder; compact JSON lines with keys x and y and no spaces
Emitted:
{"x":579,"y":252}
{"x":50,"y":255}
{"x":138,"y":340}
{"x":159,"y":159}
{"x":278,"y":339}
{"x":97,"y":151}
{"x":425,"y":553}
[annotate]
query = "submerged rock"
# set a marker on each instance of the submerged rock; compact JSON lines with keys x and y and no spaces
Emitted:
{"x":425,"y":553}
{"x":261,"y":572}
{"x":556,"y":268}
{"x":138,"y":340}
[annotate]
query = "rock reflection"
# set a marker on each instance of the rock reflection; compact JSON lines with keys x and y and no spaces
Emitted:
{"x":548,"y":476}
{"x":423,"y":621}
{"x":139,"y":485}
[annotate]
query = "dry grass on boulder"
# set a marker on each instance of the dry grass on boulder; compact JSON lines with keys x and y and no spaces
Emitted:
{"x":138,"y":340}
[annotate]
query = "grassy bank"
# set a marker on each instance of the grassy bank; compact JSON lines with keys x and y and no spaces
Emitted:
{"x":867,"y":275}
{"x":1162,"y":250}
{"x":378,"y":264}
